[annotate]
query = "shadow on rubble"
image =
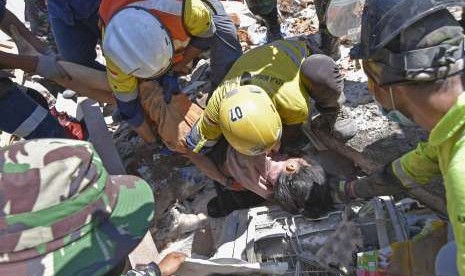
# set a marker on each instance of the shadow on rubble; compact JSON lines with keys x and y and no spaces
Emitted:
{"x":385,"y":150}
{"x":356,"y":93}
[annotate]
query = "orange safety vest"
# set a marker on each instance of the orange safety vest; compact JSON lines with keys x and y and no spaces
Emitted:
{"x":168,"y":12}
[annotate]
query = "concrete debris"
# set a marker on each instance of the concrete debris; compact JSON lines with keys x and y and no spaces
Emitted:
{"x":256,"y":34}
{"x":337,"y":249}
{"x":176,"y":222}
{"x":240,"y":13}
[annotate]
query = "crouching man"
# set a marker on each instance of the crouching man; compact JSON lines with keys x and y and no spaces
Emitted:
{"x":63,"y":214}
{"x":413,"y":55}
{"x":297,"y":184}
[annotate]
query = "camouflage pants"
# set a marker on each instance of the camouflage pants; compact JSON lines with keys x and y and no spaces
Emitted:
{"x":37,"y":15}
{"x":261,"y":7}
{"x":321,"y":6}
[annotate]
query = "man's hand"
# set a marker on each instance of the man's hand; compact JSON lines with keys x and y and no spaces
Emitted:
{"x":341,"y":190}
{"x":171,"y":263}
{"x":48,"y":67}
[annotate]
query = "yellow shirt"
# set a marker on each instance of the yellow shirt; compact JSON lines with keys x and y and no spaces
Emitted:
{"x":273,"y":67}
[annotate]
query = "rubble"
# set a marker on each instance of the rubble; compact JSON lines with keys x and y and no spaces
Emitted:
{"x":182,"y":192}
{"x":377,"y":138}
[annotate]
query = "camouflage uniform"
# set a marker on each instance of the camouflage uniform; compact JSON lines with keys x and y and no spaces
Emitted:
{"x":329,"y":43}
{"x":268,"y":11}
{"x":62,"y":214}
{"x":37,"y":15}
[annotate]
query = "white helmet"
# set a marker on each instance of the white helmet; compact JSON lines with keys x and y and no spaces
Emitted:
{"x":138,"y":43}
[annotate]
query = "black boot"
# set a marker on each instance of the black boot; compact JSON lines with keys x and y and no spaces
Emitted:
{"x":330,"y":44}
{"x":273,"y":26}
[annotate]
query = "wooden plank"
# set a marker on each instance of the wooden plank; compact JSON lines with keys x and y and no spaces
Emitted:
{"x":100,"y":136}
{"x":145,"y":252}
{"x":102,"y":140}
{"x":307,"y":130}
{"x":360,"y":160}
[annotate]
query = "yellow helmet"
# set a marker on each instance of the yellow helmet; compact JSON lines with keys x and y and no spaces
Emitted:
{"x":249,"y":120}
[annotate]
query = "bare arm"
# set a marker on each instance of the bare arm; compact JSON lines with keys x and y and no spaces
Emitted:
{"x":9,"y":19}
{"x":206,"y":166}
{"x":12,"y":61}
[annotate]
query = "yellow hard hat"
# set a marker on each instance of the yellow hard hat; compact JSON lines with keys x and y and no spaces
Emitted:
{"x":198,"y":18}
{"x":249,"y":120}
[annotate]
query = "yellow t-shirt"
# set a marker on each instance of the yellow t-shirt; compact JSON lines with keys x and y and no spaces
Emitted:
{"x":273,"y":67}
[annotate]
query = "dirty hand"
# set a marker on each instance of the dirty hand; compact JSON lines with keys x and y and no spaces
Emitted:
{"x":341,"y":190}
{"x":48,"y":67}
{"x":171,"y":263}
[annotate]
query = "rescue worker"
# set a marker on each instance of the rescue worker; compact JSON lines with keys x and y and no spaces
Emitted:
{"x":247,"y":180}
{"x":253,"y":178}
{"x":289,"y":73}
{"x":20,"y":107}
{"x":63,"y":214}
{"x":157,"y":39}
{"x":268,"y":11}
{"x":413,"y":55}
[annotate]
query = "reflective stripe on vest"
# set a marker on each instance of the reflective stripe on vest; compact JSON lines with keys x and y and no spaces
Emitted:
{"x":32,"y":122}
{"x":289,"y":48}
{"x":404,"y":178}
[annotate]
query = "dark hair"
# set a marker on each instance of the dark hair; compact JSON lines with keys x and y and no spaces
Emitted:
{"x":304,"y":191}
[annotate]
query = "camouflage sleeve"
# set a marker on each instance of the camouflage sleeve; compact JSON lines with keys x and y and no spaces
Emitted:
{"x":152,"y":269}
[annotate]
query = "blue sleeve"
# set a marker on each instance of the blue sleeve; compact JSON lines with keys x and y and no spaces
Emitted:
{"x":131,"y":111}
{"x":201,"y":43}
{"x":2,"y":9}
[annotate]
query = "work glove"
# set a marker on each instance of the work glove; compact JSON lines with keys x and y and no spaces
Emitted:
{"x":170,"y":84}
{"x":381,"y":183}
{"x":48,"y":67}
